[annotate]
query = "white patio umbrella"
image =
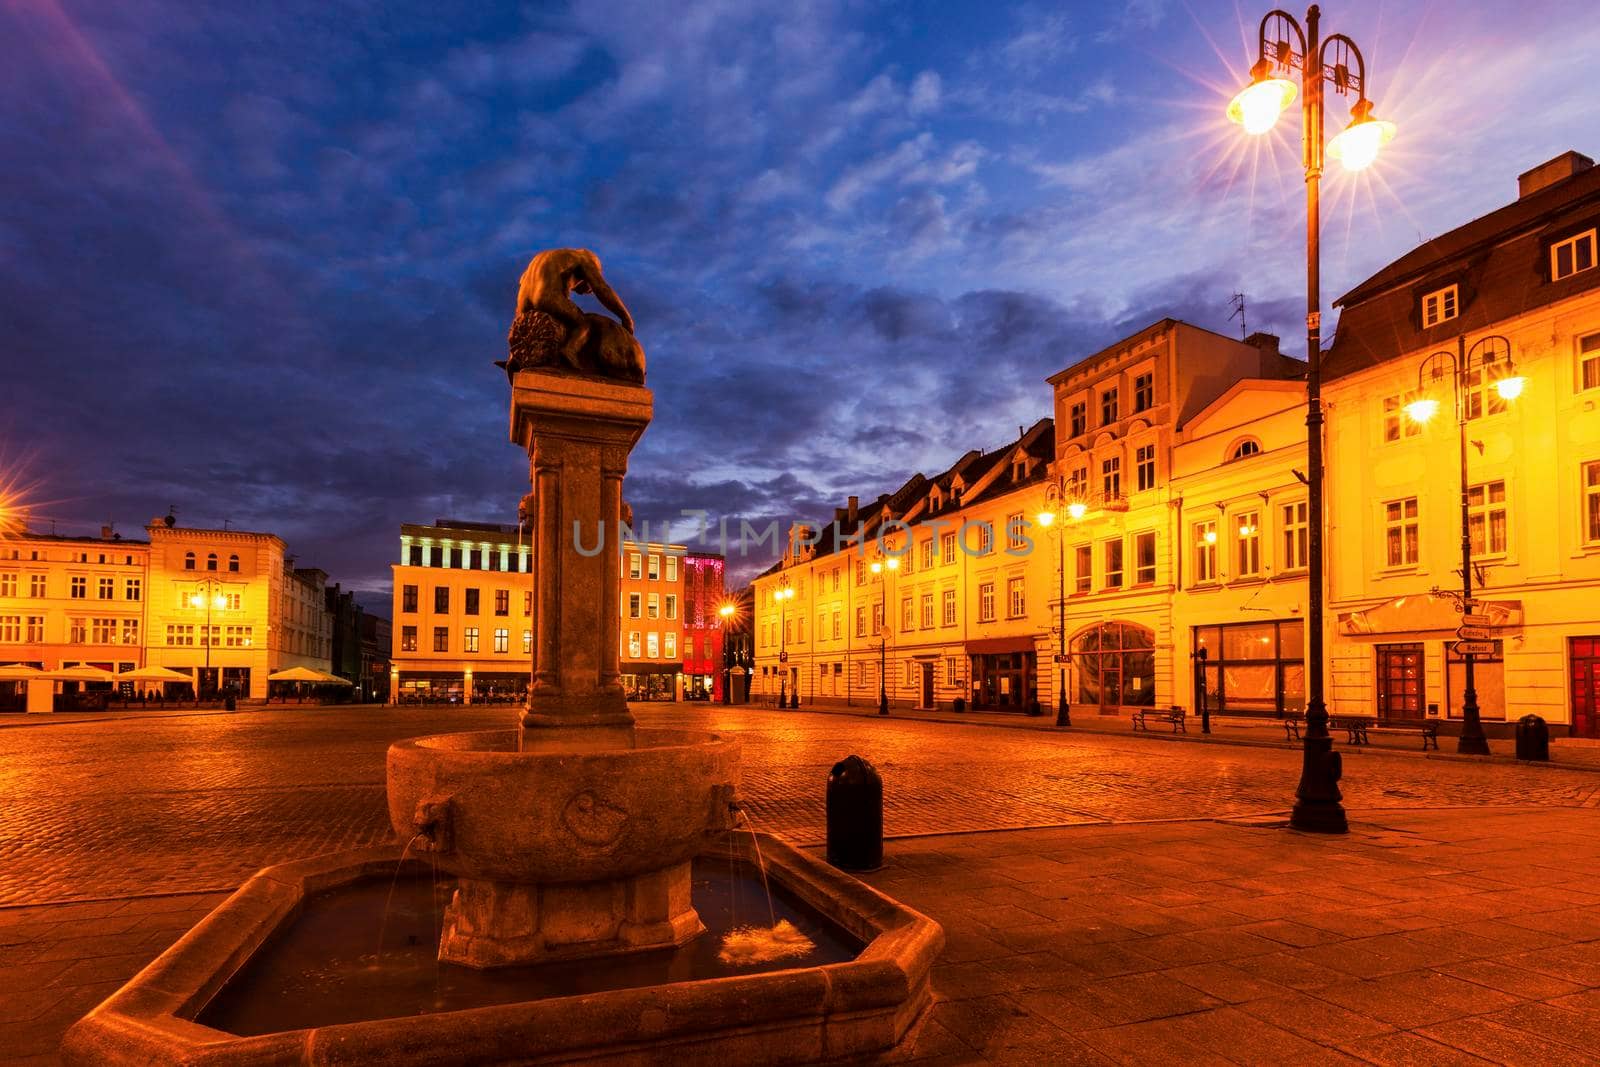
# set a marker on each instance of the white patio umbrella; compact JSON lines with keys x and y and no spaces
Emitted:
{"x":297,"y":674}
{"x":154,"y":674}
{"x":80,"y":674}
{"x":19,"y":672}
{"x":334,"y":679}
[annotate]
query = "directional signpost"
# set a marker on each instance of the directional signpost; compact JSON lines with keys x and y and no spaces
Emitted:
{"x":1475,"y":648}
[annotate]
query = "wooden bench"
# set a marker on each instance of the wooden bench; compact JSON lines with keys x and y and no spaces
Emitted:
{"x":1174,"y":715}
{"x":1359,"y":728}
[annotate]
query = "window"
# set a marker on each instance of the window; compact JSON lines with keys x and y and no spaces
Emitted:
{"x":861,"y":622}
{"x":527,"y":642}
{"x":1144,"y":557}
{"x":949,"y":616}
{"x":654,"y":571}
{"x":80,"y":588}
{"x":635,"y":649}
{"x":652,"y":645}
{"x":1111,"y":477}
{"x":408,"y":639}
{"x":1589,"y":361}
{"x":1400,"y":532}
{"x":947,"y":546}
{"x":211,"y":561}
{"x":414,"y":556}
{"x":672,"y":606}
{"x":502,"y":640}
{"x":672,"y":644}
{"x":1144,"y":458}
{"x":36,"y":586}
{"x":952,"y":669}
{"x":986,"y":602}
{"x":985,"y":538}
{"x":233,"y":601}
{"x":1205,"y":551}
{"x":635,"y":565}
{"x":472,"y":602}
{"x":838,"y":624}
{"x":1245,"y":449}
{"x":1395,"y":423}
{"x":1296,"y":534}
{"x":105,"y":631}
{"x":1080,"y":418}
{"x":1486,"y":518}
{"x":8,"y":583}
{"x":1016,"y":531}
{"x":241,"y":636}
{"x":35,"y":628}
{"x":408,"y":598}
{"x":1591,"y":502}
{"x":502,"y":602}
{"x":1254,"y":667}
{"x":927,"y":557}
{"x":10,"y":629}
{"x":132,"y":588}
{"x":1083,"y":572}
{"x":672,"y":568}
{"x":188,"y":561}
{"x":441,"y":600}
{"x":1144,"y":391}
{"x":653,"y":606}
{"x":635,"y":605}
{"x":911,"y":673}
{"x":1439,"y":306}
{"x":1247,"y":545}
{"x":469,"y":639}
{"x":441,"y":639}
{"x":1572,"y":255}
{"x":1108,"y":407}
{"x":1078,"y":483}
{"x":908,"y":619}
{"x":233,"y":564}
{"x":527,"y":603}
{"x":1482,"y":397}
{"x":927,"y":611}
{"x":1111,"y":552}
{"x":1016,"y":598}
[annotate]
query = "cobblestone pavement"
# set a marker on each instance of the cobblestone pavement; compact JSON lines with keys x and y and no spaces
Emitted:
{"x":131,"y":807}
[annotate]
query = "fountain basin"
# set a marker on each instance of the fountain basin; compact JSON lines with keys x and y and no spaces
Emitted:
{"x":842,"y":1010}
{"x":563,"y":850}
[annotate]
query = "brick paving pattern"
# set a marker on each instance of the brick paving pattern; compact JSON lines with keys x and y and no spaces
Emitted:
{"x":192,"y":804}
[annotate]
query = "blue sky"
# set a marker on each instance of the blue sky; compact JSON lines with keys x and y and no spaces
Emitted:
{"x":256,"y":260}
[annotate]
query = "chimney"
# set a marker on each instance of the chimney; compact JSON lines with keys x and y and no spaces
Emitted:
{"x":1265,"y":343}
{"x":1546,"y":174}
{"x":105,"y":533}
{"x":853,"y":509}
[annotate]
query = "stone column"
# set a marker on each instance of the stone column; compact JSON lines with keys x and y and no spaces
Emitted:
{"x":578,"y":433}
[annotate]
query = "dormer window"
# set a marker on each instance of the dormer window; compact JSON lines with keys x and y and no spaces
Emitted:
{"x":1441,"y":305}
{"x":1245,"y":449}
{"x":1019,"y":469}
{"x":1573,"y":255}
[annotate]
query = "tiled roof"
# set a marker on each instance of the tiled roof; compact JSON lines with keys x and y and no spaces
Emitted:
{"x":1500,"y":264}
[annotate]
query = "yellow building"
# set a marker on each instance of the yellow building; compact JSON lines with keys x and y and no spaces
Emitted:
{"x":463,"y":607}
{"x":1518,"y":288}
{"x":226,"y":607}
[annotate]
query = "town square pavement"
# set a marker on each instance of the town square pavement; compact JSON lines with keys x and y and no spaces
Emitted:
{"x":1105,"y":898}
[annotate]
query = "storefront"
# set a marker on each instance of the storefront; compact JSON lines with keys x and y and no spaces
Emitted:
{"x":1116,"y":664}
{"x":1252,"y":668}
{"x":650,"y":681}
{"x":1003,"y":672}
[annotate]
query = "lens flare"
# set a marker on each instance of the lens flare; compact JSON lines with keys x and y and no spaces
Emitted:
{"x":1422,"y":410}
{"x":1510,"y":387}
{"x":1258,"y":105}
{"x":1357,"y":146}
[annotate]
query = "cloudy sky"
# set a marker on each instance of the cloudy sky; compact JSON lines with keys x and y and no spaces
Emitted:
{"x":256,"y":260}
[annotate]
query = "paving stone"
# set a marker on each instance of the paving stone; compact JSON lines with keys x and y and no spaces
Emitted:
{"x":1409,"y":1050}
{"x":1501,"y":1044}
{"x":1314,"y":1018}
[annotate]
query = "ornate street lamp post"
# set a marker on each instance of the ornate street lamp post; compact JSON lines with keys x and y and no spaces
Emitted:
{"x":206,"y":596}
{"x":1338,"y":61}
{"x":1054,"y":498}
{"x":725,"y":616}
{"x":884,"y":568}
{"x":783,"y":594}
{"x":1488,"y":360}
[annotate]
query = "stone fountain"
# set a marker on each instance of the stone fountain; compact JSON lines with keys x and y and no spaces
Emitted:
{"x":572,"y":836}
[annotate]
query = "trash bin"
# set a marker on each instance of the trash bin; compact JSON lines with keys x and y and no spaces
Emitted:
{"x":229,"y":704}
{"x":855,"y":816}
{"x":1533,"y":738}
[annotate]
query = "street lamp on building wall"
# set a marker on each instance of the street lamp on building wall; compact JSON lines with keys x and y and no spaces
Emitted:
{"x":1338,"y":61}
{"x":1468,"y":370}
{"x":783,"y":594}
{"x":884,"y":568}
{"x":1055,"y":503}
{"x":207,"y":595}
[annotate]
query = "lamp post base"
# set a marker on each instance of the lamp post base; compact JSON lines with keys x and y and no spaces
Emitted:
{"x":1472,"y":744}
{"x":1063,"y":713}
{"x":883,"y":704}
{"x":1316,"y":808}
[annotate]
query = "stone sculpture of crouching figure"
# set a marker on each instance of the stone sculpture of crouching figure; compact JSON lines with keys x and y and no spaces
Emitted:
{"x":551,"y":332}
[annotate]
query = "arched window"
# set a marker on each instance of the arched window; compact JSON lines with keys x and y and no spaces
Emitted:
{"x":233,"y":564}
{"x":188,"y":561}
{"x":211,"y":561}
{"x":1248,"y":447}
{"x":1116,"y":664}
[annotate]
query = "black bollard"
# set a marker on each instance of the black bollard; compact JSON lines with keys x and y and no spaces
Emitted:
{"x":855,"y":816}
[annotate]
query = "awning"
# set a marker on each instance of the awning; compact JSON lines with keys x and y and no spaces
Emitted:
{"x":1427,"y":613}
{"x":993,"y":646}
{"x":154,"y":674}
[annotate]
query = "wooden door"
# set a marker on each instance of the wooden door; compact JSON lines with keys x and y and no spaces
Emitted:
{"x":1400,"y":682}
{"x":1584,"y":653}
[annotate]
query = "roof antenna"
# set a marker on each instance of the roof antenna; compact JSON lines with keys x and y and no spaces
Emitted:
{"x":1238,"y":309}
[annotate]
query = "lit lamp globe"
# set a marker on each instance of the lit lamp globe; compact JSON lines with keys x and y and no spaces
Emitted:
{"x":1046,"y":518}
{"x":1357,"y":144}
{"x":1077,"y":510}
{"x":1422,"y":410}
{"x":1258,"y":105}
{"x":1511,"y":386}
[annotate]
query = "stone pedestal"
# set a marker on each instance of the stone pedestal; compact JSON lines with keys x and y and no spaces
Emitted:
{"x":496,"y":924}
{"x":578,"y":433}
